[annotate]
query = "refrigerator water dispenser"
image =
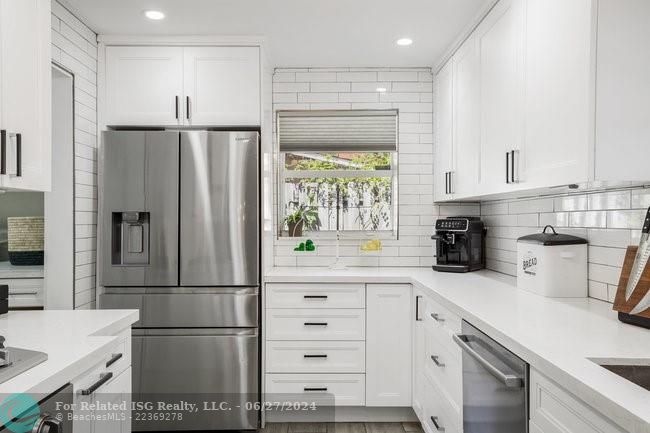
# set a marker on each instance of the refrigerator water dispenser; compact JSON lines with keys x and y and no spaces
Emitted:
{"x":130,"y":238}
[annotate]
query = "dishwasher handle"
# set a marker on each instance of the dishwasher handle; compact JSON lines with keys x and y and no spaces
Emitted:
{"x":509,"y":380}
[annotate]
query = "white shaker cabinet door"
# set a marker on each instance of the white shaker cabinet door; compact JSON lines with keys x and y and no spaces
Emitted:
{"x":25,"y":94}
{"x":388,"y":345}
{"x":144,"y":86}
{"x":558,"y":91}
{"x":442,"y":154}
{"x":500,"y":46}
{"x":466,"y":124}
{"x":222,"y":86}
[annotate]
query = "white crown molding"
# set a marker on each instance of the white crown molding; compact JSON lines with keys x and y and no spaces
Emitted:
{"x":181,"y":40}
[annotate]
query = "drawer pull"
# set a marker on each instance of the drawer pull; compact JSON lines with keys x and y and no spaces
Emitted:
{"x":103,"y":378}
{"x":116,"y":357}
{"x":437,"y":318}
{"x":307,"y":389}
{"x":434,"y":420}
{"x":315,"y":323}
{"x":315,"y":296}
{"x":314,"y":356}
{"x":435,"y":361}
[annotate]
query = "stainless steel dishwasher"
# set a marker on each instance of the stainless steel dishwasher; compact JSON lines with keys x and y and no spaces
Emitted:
{"x":495,"y":385}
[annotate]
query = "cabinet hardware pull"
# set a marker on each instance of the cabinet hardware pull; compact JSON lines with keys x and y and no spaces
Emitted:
{"x":308,"y":389}
{"x":3,"y":151}
{"x":19,"y":154}
{"x":417,"y":308}
{"x":451,"y":182}
{"x":434,"y":420}
{"x":435,"y":361}
{"x":314,"y":356}
{"x":114,"y":359}
{"x":315,"y":296}
{"x":188,"y":113}
{"x":437,"y":318}
{"x":509,"y":380}
{"x":23,"y":293}
{"x":512,"y":166}
{"x":315,"y":323}
{"x":507,"y":167}
{"x":177,"y":106}
{"x":446,"y":182}
{"x":103,"y":378}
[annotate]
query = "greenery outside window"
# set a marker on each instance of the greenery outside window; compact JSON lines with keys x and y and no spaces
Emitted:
{"x":345,"y":182}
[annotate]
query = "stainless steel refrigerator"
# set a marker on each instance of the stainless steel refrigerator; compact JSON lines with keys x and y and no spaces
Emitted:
{"x":180,"y":234}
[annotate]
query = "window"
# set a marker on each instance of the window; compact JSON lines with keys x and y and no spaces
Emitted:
{"x":337,"y":172}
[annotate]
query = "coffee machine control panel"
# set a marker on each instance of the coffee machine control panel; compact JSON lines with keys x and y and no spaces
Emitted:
{"x":456,"y":225}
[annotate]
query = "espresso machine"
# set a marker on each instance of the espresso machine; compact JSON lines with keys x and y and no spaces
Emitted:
{"x":460,"y":244}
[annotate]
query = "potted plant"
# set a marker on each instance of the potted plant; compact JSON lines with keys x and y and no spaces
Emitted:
{"x":303,"y":218}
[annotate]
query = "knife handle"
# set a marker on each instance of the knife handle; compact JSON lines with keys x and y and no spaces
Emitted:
{"x":646,"y":222}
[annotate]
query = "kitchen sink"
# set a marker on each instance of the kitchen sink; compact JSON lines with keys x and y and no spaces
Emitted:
{"x":636,"y":371}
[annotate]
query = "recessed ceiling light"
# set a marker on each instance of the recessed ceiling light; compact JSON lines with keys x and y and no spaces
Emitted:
{"x":404,"y":42}
{"x":381,"y":89}
{"x":154,"y":15}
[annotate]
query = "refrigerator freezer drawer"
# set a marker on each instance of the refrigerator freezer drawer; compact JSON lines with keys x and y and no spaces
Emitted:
{"x":197,"y":366}
{"x":230,"y":308}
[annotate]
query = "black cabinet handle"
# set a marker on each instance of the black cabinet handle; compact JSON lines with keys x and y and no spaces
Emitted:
{"x":436,"y":317}
{"x":177,"y":106}
{"x":451,"y":182}
{"x":315,"y":296}
{"x":315,"y":323}
{"x":435,"y":361}
{"x":308,"y":389}
{"x":512,"y":166}
{"x":434,"y":420}
{"x":188,"y":113}
{"x":507,"y":167}
{"x":446,"y":183}
{"x":103,"y":378}
{"x":314,"y":356}
{"x":3,"y":151}
{"x":417,"y":308}
{"x":19,"y":155}
{"x":114,"y":359}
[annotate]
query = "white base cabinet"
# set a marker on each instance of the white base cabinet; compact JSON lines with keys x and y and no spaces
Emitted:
{"x":25,"y":95}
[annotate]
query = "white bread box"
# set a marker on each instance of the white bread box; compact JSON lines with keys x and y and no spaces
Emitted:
{"x":552,"y":264}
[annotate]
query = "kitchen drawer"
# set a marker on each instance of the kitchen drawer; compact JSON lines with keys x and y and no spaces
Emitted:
{"x":441,"y":317}
{"x":448,"y":373}
{"x":315,"y":295}
{"x":323,"y":389}
{"x":312,"y":324}
{"x":119,"y":358}
{"x":315,"y":357}
{"x":26,"y":292}
{"x":554,"y":410}
{"x":438,"y":408}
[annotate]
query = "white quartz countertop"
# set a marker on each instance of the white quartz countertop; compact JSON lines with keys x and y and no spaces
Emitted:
{"x":557,"y":337}
{"x":8,"y":271}
{"x":73,"y":340}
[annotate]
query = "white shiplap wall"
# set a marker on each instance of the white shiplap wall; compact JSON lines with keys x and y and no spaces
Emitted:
{"x":74,"y":46}
{"x":609,"y":220}
{"x":410,"y":91}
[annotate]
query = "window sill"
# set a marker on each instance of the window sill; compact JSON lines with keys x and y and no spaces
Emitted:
{"x":349,"y":236}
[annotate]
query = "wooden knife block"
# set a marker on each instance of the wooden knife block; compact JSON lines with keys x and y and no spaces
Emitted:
{"x":620,"y":304}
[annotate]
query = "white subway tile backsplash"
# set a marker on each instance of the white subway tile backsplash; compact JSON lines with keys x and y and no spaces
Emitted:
{"x":356,"y":88}
{"x":625,"y":219}
{"x":610,"y":200}
{"x":570,"y":203}
{"x":592,"y":219}
{"x":606,"y":255}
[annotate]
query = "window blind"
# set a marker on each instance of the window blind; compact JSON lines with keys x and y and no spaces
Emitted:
{"x":337,"y":131}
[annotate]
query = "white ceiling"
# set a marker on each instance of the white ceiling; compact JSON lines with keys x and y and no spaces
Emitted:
{"x":302,"y":32}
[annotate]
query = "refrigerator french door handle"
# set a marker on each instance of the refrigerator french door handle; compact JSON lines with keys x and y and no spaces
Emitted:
{"x":3,"y":151}
{"x":509,"y":380}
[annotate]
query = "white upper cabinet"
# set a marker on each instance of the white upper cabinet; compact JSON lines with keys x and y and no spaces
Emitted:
{"x":223,"y":85}
{"x":25,"y":94}
{"x":558,"y":87}
{"x":623,"y":90}
{"x":144,"y":85}
{"x":500,"y":43}
{"x":444,"y":132}
{"x":466,"y":126}
{"x":544,"y":120}
{"x":182,"y":86}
